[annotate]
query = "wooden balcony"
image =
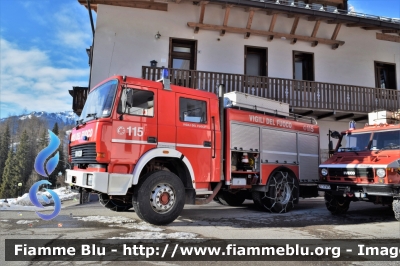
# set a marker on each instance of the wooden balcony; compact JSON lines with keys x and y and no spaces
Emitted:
{"x":305,"y":97}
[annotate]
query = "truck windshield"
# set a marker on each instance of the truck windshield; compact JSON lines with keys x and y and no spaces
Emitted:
{"x":354,"y":142}
{"x":386,"y":140}
{"x":99,"y":102}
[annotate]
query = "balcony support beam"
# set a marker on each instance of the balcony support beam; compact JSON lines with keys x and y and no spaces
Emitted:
{"x":227,"y":11}
{"x":249,"y":21}
{"x":326,"y":115}
{"x":202,"y":11}
{"x":361,"y":118}
{"x":387,"y":37}
{"x":344,"y":117}
{"x":271,"y":27}
{"x":264,"y":33}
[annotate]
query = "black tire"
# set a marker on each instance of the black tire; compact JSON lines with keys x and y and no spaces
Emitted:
{"x":231,"y":199}
{"x":114,"y":204}
{"x":283,"y":191}
{"x":159,"y":197}
{"x":336,"y":204}
{"x":396,"y":208}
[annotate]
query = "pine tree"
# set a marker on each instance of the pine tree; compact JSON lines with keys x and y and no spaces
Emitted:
{"x":60,"y":166}
{"x":7,"y":188}
{"x":4,"y":149}
{"x":23,"y":162}
{"x":55,"y":129}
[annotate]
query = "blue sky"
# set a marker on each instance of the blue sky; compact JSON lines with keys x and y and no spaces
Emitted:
{"x":43,"y":51}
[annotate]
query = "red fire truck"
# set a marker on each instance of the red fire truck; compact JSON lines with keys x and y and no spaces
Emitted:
{"x":155,"y":147}
{"x":365,"y":165}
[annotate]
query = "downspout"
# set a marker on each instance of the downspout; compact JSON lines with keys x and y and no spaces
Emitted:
{"x":92,"y":46}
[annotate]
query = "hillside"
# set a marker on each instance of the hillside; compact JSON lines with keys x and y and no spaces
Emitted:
{"x":66,"y":118}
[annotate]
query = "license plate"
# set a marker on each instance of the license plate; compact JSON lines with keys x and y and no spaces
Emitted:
{"x":78,"y":153}
{"x":323,"y":186}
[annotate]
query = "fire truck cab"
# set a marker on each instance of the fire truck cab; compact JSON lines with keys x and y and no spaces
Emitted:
{"x":155,"y":147}
{"x":365,"y":165}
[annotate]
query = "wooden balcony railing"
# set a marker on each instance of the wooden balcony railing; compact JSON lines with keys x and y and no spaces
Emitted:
{"x":297,"y":93}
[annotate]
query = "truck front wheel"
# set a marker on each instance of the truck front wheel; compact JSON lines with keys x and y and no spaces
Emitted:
{"x":159,"y":197}
{"x":113,"y":204}
{"x":281,"y":195}
{"x":396,"y":208}
{"x":336,"y":204}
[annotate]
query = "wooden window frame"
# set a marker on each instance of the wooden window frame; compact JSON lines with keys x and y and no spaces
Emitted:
{"x":293,"y":64}
{"x":189,"y":43}
{"x":376,"y":74}
{"x":261,"y":65}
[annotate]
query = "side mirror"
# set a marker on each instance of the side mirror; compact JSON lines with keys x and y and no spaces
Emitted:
{"x":335,"y":135}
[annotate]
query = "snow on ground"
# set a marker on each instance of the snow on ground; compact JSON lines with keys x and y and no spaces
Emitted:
{"x":27,"y":221}
{"x":23,"y":203}
{"x":144,"y":230}
{"x":153,"y":235}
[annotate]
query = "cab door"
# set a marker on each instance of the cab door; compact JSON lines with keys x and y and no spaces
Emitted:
{"x":193,"y":134}
{"x":135,"y":130}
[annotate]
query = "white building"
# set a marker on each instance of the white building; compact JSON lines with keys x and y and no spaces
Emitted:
{"x":331,"y":64}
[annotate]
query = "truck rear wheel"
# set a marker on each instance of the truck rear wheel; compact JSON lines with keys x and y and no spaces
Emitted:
{"x":396,"y":208}
{"x":231,"y":199}
{"x":336,"y":204}
{"x":114,"y":204}
{"x":159,"y":197}
{"x":281,"y":195}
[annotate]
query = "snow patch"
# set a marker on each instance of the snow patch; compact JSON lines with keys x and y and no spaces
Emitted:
{"x":119,"y":221}
{"x":154,"y":235}
{"x":27,"y":221}
{"x":24,"y":203}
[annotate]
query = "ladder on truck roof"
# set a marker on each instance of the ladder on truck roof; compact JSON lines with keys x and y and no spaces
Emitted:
{"x":253,"y":103}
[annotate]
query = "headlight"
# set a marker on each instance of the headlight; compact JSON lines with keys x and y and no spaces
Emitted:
{"x":89,"y":179}
{"x":324,"y":171}
{"x":381,"y":172}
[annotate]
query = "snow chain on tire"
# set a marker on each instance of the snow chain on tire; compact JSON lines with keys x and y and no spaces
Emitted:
{"x":281,"y":195}
{"x":396,"y":208}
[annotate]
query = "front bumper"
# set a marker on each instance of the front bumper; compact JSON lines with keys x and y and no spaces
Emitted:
{"x":109,"y":183}
{"x":373,"y":189}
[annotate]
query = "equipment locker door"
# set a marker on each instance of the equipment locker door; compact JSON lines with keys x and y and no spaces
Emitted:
{"x":193,"y":134}
{"x":135,"y":132}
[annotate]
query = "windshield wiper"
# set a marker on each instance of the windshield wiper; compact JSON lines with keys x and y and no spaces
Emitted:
{"x":348,"y":149}
{"x":79,"y":122}
{"x":389,"y":146}
{"x":92,"y":115}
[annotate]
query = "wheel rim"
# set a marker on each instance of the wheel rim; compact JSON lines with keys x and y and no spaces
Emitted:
{"x":283,"y":192}
{"x":162,"y":198}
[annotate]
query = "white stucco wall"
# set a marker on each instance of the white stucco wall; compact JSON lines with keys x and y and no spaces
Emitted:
{"x":125,"y":41}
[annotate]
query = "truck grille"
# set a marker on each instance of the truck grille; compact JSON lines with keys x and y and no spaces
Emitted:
{"x":350,"y":174}
{"x":88,"y":153}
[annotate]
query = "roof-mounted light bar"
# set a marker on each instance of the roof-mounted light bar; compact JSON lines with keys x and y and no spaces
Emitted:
{"x":165,"y":79}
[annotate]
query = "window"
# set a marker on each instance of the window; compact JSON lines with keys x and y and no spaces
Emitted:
{"x":355,"y":142}
{"x":385,"y":75}
{"x":192,"y":110}
{"x":255,"y":61}
{"x":386,"y":140}
{"x":136,"y":102}
{"x":182,"y":54}
{"x":100,"y":101}
{"x":303,"y":66}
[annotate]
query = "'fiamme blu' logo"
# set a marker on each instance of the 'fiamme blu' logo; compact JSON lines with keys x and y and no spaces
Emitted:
{"x":41,"y":170}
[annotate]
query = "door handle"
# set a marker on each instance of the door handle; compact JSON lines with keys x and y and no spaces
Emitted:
{"x":207,"y":143}
{"x":151,"y":140}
